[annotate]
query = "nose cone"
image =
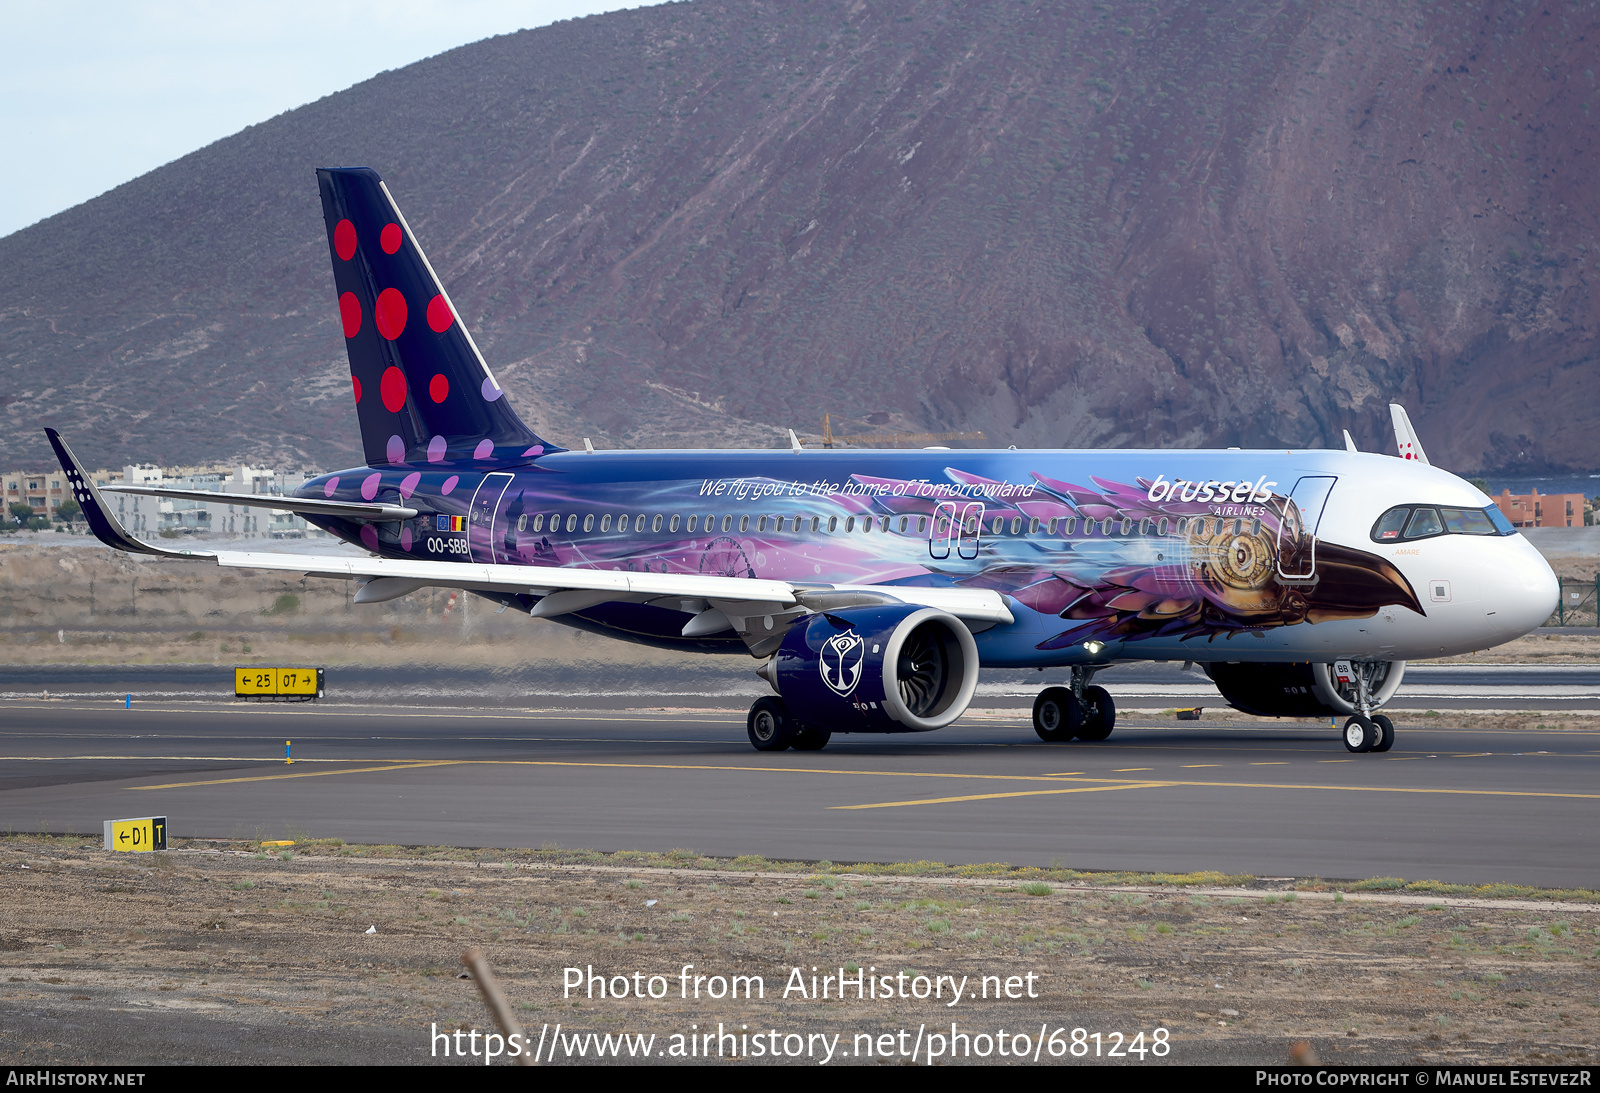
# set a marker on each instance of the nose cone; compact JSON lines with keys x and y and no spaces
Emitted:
{"x":1524,"y":593}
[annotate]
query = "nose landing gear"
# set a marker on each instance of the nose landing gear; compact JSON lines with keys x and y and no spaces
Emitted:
{"x":1361,"y":687}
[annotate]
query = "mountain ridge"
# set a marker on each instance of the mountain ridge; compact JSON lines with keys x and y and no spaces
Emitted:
{"x":705,"y":223}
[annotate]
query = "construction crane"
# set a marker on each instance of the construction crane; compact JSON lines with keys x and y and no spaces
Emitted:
{"x":828,"y":439}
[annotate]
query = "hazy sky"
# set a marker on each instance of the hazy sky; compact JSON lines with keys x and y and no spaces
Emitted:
{"x":93,"y":94}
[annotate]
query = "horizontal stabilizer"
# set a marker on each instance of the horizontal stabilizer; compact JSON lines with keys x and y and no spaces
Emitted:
{"x":349,"y":510}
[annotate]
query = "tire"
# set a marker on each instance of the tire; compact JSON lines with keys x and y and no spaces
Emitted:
{"x":809,"y":738}
{"x":1099,"y":714}
{"x":1056,"y":715}
{"x":1360,"y":734}
{"x":1385,"y":733}
{"x":769,"y":725}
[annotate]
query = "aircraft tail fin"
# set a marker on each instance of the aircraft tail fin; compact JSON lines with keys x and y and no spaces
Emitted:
{"x":423,"y":391}
{"x":1349,"y":442}
{"x":1405,"y":436}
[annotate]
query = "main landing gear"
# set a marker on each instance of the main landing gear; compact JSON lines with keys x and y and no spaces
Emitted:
{"x":773,"y":728}
{"x":1080,"y":711}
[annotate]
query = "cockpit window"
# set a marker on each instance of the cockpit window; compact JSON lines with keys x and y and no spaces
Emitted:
{"x":1425,"y":521}
{"x":1468,"y":521}
{"x":1390,"y":525}
{"x":1501,"y":523}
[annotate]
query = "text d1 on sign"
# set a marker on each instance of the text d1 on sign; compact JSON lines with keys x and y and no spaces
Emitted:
{"x":137,"y":836}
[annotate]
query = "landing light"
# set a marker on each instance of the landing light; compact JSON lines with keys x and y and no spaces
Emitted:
{"x":1094,"y":648}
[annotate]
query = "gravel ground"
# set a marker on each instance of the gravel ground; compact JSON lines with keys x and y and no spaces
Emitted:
{"x":229,"y":953}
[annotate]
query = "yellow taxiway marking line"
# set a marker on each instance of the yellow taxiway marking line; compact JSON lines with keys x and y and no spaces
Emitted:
{"x":1336,"y":760}
{"x":308,"y":774}
{"x":1197,"y":766}
{"x":1274,"y":763}
{"x":1109,"y":783}
{"x":998,"y":796}
{"x":1063,"y":773}
{"x":1400,"y":758}
{"x":1130,"y":770}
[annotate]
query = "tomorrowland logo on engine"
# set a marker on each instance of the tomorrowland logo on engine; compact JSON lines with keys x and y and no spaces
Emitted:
{"x":840,"y":662}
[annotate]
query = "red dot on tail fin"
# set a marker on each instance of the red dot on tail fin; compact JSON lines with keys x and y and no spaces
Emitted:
{"x":344,"y":239}
{"x":389,"y":238}
{"x":355,"y":383}
{"x":390,"y":314}
{"x":393,"y":389}
{"x":350,"y":314}
{"x":439,"y":316}
{"x":438,"y":388}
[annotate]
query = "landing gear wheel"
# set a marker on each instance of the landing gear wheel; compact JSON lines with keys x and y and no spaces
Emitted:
{"x":1056,"y":715}
{"x":769,"y":724}
{"x":1360,"y":734}
{"x":809,"y":738}
{"x":1385,"y":733}
{"x":1099,"y":714}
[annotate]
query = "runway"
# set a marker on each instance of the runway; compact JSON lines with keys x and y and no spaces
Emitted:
{"x":1463,"y":804}
{"x":731,"y":681}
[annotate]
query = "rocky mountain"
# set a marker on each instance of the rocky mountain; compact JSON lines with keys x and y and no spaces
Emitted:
{"x":1175,"y":223}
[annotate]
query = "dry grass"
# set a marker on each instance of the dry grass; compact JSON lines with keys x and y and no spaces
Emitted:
{"x":226,"y":930}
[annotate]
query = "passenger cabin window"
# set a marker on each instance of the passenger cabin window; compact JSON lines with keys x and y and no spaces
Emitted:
{"x":1406,"y":522}
{"x":655,"y":522}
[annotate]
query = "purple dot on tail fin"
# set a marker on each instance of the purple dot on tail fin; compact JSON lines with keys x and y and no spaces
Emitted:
{"x":408,"y":485}
{"x":396,"y":450}
{"x":449,"y":484}
{"x":537,"y":449}
{"x":369,"y":486}
{"x":405,"y":538}
{"x":331,"y":486}
{"x":369,"y":536}
{"x":491,"y":389}
{"x":436,"y":448}
{"x":484,"y":449}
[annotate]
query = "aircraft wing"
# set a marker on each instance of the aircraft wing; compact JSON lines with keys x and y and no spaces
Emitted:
{"x":758,"y":610}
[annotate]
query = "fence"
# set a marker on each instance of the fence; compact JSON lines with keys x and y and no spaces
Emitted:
{"x":1578,"y":603}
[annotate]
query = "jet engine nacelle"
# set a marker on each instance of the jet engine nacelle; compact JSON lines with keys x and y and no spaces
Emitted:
{"x":896,"y":668}
{"x":1298,"y":690}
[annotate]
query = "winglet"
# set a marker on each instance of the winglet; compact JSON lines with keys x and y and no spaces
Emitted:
{"x":1405,"y":436}
{"x":794,"y":442}
{"x":1349,"y":442}
{"x":97,"y":512}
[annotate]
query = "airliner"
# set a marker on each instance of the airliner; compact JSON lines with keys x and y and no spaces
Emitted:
{"x":869,"y":586}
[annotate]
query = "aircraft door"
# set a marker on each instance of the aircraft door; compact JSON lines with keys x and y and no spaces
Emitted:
{"x":971,"y":529}
{"x":480,"y":517}
{"x":1297,"y":532}
{"x":942,"y":530}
